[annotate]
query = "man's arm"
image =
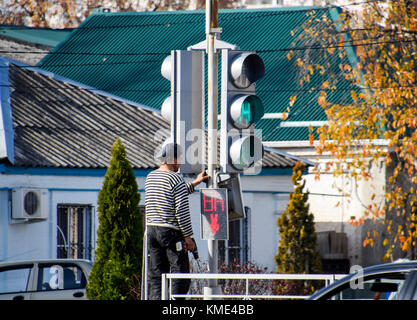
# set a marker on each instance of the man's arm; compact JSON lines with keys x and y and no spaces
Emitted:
{"x":202,"y":176}
{"x":181,"y":203}
{"x":190,"y":187}
{"x":182,"y":209}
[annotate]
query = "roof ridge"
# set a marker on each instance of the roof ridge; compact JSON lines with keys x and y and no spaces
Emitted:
{"x":202,"y":11}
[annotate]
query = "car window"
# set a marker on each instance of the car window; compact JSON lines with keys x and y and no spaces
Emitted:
{"x":14,"y":279}
{"x":373,"y":287}
{"x":60,"y":277}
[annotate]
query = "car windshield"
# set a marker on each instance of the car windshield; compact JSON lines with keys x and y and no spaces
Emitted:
{"x":373,"y":287}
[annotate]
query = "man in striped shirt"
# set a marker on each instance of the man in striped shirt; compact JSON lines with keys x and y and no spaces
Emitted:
{"x":168,"y":221}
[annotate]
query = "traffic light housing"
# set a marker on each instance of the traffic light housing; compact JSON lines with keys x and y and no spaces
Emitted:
{"x":184,"y":108}
{"x":241,"y":147}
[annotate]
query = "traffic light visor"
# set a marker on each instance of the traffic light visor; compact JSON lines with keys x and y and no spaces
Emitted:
{"x":246,"y":69}
{"x":166,"y":68}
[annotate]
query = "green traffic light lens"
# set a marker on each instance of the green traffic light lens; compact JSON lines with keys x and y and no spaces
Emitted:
{"x":252,"y":110}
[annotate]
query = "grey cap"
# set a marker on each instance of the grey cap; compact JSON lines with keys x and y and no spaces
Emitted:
{"x":169,"y":151}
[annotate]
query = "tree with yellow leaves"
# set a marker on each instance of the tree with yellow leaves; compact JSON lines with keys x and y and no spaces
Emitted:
{"x":70,"y":13}
{"x":377,"y":119}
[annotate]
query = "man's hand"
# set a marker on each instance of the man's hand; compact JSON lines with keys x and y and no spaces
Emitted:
{"x":202,"y":176}
{"x":189,"y":244}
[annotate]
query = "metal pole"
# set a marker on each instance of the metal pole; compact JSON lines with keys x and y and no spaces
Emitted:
{"x":164,"y":288}
{"x":212,"y":109}
{"x":144,"y":284}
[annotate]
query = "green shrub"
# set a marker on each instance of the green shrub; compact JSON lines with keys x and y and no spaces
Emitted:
{"x":297,"y":250}
{"x":118,"y":256}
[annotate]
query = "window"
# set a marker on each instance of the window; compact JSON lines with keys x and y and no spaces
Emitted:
{"x":14,"y":279}
{"x":60,"y":277}
{"x":235,"y":250}
{"x":374,"y":287}
{"x":74,"y":230}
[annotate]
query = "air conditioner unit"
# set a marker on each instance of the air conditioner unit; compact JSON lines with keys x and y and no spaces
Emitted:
{"x":32,"y":204}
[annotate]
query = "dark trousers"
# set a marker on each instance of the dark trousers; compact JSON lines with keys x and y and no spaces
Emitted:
{"x":165,"y":258}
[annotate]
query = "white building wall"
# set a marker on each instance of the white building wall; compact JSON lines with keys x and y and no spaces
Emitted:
{"x":267,"y":196}
{"x":30,"y":240}
{"x":334,"y":200}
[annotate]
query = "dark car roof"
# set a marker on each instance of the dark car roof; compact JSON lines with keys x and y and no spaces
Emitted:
{"x":402,"y":265}
{"x":394,"y":266}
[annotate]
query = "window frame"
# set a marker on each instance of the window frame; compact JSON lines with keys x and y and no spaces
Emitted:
{"x":43,"y":265}
{"x":237,"y":253}
{"x":64,"y":245}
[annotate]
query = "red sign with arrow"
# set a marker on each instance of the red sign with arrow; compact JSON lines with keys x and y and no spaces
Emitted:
{"x":214,"y":214}
{"x":214,"y":225}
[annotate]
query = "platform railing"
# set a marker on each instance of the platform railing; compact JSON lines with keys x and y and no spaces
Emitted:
{"x":166,"y":293}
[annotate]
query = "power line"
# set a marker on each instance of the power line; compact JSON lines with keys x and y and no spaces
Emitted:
{"x":307,"y":90}
{"x":340,"y":45}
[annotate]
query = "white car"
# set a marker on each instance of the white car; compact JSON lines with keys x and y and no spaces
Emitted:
{"x":52,"y":279}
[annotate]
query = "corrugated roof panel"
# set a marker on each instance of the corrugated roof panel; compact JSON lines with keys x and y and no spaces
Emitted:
{"x":58,"y":124}
{"x":122,"y":53}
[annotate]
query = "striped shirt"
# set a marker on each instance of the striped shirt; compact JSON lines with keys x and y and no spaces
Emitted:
{"x":166,"y":201}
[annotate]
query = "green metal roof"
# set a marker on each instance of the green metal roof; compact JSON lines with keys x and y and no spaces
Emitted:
{"x":122,"y":53}
{"x":43,"y":36}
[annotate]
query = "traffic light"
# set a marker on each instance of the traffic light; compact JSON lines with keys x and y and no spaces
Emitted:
{"x":184,"y":107}
{"x":241,"y":147}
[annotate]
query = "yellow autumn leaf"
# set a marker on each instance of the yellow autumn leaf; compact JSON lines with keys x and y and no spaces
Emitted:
{"x":331,"y":50}
{"x":311,"y":139}
{"x":406,"y":246}
{"x":321,"y":100}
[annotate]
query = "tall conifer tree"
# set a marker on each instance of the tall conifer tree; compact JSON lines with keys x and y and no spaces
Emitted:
{"x":297,"y":251}
{"x":118,"y":256}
